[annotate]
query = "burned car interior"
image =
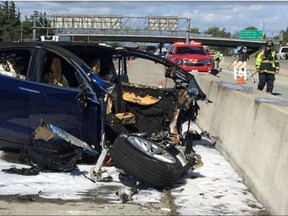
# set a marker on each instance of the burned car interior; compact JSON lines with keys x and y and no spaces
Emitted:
{"x":137,"y":125}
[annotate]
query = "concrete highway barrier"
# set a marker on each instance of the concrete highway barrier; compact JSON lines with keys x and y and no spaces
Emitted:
{"x":252,"y":131}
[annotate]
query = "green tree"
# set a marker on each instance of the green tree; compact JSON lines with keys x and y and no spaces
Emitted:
{"x":27,"y":29}
{"x":284,"y":36}
{"x":194,"y":30}
{"x":217,"y":32}
{"x":10,"y":23}
{"x":251,"y":28}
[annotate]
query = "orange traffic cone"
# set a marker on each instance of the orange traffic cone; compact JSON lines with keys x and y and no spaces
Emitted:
{"x":160,"y":84}
{"x":241,"y":80}
{"x":129,"y":62}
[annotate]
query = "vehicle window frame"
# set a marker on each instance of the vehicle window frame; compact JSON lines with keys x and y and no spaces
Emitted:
{"x":42,"y":53}
{"x":284,"y":50}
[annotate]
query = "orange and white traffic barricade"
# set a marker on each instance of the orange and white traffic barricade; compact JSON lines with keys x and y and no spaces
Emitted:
{"x":240,"y":69}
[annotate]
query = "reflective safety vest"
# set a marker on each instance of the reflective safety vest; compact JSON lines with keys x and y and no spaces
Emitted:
{"x":217,"y":56}
{"x":267,"y":62}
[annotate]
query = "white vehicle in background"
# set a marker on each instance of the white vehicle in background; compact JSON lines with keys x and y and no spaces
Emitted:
{"x":283,"y":52}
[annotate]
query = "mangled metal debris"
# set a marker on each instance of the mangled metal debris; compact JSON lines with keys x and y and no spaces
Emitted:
{"x":48,"y":132}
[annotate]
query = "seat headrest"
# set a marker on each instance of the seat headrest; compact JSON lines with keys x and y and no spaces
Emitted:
{"x":95,"y":66}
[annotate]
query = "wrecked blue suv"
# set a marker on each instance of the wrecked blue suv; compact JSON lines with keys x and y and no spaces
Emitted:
{"x":103,"y":113}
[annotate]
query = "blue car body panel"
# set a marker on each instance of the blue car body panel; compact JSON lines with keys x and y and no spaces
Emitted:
{"x":14,"y":114}
{"x":59,"y":106}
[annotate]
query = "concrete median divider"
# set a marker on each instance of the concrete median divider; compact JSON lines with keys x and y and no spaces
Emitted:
{"x":252,"y":129}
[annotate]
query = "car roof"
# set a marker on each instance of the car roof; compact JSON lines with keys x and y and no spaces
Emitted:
{"x":79,"y":49}
{"x":54,"y":45}
{"x":86,"y":48}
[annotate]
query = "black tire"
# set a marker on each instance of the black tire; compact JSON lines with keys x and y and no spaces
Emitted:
{"x":131,"y":154}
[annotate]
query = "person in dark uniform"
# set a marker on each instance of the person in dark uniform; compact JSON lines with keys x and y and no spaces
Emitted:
{"x":243,"y":56}
{"x":267,"y":65}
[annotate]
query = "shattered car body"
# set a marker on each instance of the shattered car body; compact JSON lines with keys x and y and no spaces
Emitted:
{"x":103,"y":115}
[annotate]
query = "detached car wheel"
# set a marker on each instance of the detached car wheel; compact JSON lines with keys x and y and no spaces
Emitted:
{"x":147,"y":161}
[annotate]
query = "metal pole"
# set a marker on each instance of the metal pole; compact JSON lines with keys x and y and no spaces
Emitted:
{"x":188,"y":30}
{"x":46,"y":24}
{"x":21,"y":31}
{"x":34,"y":28}
{"x":88,"y":39}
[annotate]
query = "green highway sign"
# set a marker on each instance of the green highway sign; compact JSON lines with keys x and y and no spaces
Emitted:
{"x":251,"y":35}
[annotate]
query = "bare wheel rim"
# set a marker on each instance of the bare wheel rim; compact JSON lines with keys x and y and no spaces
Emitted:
{"x":152,"y":149}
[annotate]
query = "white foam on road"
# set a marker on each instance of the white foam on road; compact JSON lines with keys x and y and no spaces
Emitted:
{"x":215,"y":188}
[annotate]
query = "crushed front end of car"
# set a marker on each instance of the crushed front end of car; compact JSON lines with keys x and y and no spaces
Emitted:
{"x":145,"y":135}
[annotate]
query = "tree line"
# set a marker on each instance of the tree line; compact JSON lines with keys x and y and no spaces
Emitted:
{"x":13,"y":28}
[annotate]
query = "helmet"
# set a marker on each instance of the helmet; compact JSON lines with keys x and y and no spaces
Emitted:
{"x":242,"y":49}
{"x":269,"y":43}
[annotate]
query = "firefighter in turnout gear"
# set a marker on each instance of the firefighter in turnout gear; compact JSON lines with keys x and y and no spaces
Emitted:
{"x":267,"y":65}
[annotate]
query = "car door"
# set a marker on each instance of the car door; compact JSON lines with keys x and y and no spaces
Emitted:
{"x":14,"y":100}
{"x":58,"y":105}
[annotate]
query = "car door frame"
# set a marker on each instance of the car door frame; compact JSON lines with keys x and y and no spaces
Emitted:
{"x":87,"y":124}
{"x":15,"y":130}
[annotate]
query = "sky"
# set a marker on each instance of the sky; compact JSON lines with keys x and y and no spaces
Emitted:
{"x":213,"y":189}
{"x":270,"y":16}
